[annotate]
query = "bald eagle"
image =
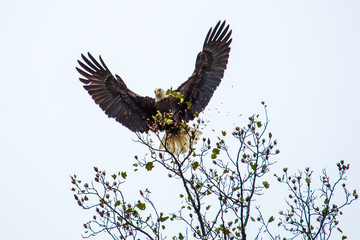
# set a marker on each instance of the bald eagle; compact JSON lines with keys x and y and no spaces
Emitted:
{"x":141,"y":114}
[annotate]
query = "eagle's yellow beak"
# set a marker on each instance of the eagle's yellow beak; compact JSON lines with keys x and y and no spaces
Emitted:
{"x":157,"y":92}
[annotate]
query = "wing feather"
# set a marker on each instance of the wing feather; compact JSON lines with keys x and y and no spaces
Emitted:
{"x":113,"y":96}
{"x":209,"y":70}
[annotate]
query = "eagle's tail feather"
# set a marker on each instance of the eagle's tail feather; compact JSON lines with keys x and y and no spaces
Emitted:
{"x":179,"y":142}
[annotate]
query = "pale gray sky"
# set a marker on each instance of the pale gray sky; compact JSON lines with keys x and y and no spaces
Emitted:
{"x":301,"y":57}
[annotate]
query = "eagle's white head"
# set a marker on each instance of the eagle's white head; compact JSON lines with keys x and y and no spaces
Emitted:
{"x":160,"y":94}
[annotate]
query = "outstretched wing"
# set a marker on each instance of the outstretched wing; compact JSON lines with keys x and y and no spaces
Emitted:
{"x":209,"y":70}
{"x":111,"y":94}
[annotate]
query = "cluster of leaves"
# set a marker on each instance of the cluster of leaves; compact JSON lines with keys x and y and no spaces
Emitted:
{"x":120,"y":219}
{"x":219,"y":186}
{"x":163,"y":121}
{"x":312,"y":211}
{"x":181,"y":98}
{"x":219,"y":190}
{"x":235,"y":179}
{"x":175,"y":94}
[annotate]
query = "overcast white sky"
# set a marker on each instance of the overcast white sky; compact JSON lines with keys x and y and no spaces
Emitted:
{"x":301,"y":57}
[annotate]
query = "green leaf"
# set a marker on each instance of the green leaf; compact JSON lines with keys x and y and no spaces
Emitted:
{"x":216,"y":150}
{"x":123,"y":175}
{"x":117,"y":203}
{"x":195,"y":165}
{"x":253,"y":166}
{"x":271,"y":219}
{"x":223,"y":133}
{"x":258,"y":124}
{"x":198,"y":185}
{"x":168,"y":121}
{"x":149,"y":166}
{"x":141,"y":206}
{"x":307,"y":181}
{"x":252,"y":219}
{"x":163,"y":219}
{"x":114,"y":176}
{"x":266,"y":184}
